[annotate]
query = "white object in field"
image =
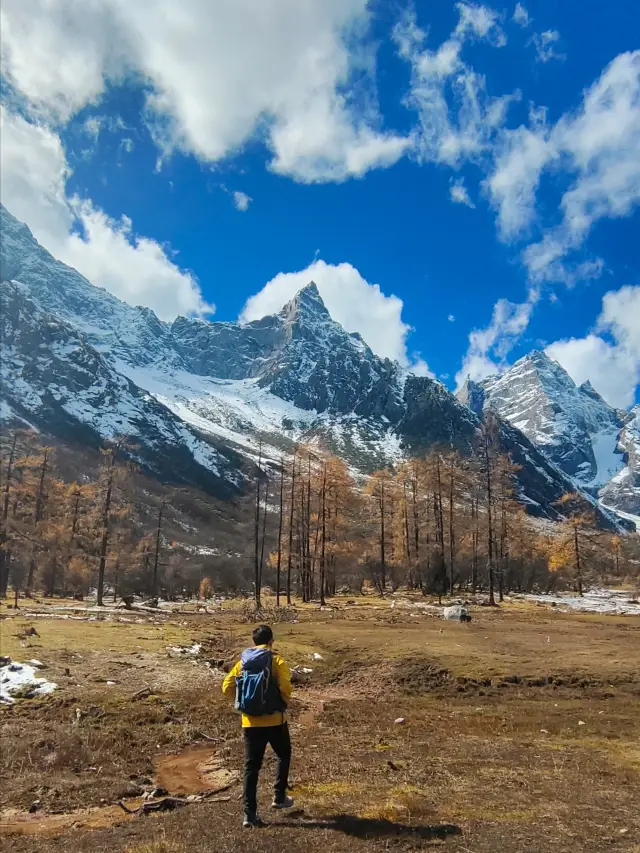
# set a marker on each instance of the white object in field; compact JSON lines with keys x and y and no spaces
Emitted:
{"x":457,"y":613}
{"x":316,"y":656}
{"x":186,"y":650}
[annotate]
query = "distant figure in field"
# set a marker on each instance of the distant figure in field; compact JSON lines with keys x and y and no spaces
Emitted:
{"x":262,"y":684}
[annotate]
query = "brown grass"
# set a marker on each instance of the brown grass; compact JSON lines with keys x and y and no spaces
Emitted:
{"x":491,"y":755}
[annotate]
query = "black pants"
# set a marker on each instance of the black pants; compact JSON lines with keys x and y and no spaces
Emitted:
{"x":255,"y":744}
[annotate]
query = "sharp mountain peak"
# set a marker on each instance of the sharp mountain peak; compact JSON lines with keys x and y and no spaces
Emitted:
{"x":208,"y":388}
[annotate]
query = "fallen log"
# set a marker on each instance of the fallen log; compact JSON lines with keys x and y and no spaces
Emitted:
{"x":167,"y":804}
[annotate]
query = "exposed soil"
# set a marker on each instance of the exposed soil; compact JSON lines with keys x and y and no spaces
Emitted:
{"x":195,"y":770}
{"x":22,"y":823}
{"x":518,"y":732}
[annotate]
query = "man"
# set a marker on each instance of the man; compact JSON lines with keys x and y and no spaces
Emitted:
{"x":261,"y":681}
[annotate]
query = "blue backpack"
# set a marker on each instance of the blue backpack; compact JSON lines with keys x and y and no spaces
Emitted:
{"x":257,"y":692}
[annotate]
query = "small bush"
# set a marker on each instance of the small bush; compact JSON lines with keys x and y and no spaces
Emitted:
{"x":269,"y":614}
{"x":206,"y":589}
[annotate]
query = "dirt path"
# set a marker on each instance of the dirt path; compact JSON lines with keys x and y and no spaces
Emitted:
{"x":101,"y":817}
{"x":314,"y":700}
{"x":195,"y":770}
{"x":192,"y":771}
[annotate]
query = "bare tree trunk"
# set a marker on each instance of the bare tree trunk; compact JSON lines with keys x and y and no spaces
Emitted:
{"x":290,"y":553}
{"x":576,"y":545}
{"x":278,"y":564}
{"x":416,"y":526}
{"x":37,"y":517}
{"x":383,"y":564}
{"x":146,"y":553}
{"x":407,"y":540}
{"x":256,"y":532}
{"x":4,"y":558}
{"x":324,"y":537}
{"x":451,"y":529}
{"x":157,"y":550}
{"x":490,"y":554}
{"x":303,"y":541}
{"x":308,"y":534}
{"x":503,"y":552}
{"x":440,"y":512}
{"x":314,"y":560}
{"x":475,"y":539}
{"x":104,"y":544}
{"x":116,"y":572}
{"x":8,"y":479}
{"x":264,"y":528}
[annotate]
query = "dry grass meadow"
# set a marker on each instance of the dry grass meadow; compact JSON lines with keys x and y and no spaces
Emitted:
{"x":521,"y":732}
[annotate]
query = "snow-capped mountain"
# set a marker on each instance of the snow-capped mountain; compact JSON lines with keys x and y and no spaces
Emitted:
{"x":53,"y":379}
{"x":622,"y":492}
{"x":596,"y":445}
{"x":197,"y":397}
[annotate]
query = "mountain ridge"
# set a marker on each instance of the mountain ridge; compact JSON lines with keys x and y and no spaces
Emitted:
{"x":223,"y":388}
{"x":596,"y":445}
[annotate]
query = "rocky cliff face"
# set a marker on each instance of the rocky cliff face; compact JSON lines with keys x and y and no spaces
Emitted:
{"x":54,"y":380}
{"x":593,"y":443}
{"x":198,"y":396}
{"x":622,"y":492}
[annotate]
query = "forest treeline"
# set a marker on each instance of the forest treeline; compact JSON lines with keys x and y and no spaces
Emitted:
{"x":442,"y":523}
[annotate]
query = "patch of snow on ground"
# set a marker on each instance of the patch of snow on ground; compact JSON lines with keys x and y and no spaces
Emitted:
{"x":15,"y":677}
{"x":614,"y":601}
{"x":186,"y":650}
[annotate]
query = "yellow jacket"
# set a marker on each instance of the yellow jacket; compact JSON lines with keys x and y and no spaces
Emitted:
{"x":282,"y":676}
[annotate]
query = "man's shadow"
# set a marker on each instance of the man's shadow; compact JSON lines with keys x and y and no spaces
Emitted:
{"x":362,"y":827}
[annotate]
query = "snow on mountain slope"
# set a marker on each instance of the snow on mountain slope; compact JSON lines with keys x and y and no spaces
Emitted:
{"x":245,"y":414}
{"x":198,"y":397}
{"x":575,"y":426}
{"x":53,"y":378}
{"x":595,"y":444}
{"x":622,"y":492}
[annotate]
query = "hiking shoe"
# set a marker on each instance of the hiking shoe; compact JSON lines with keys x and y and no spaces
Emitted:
{"x":252,"y":821}
{"x":287,"y":803}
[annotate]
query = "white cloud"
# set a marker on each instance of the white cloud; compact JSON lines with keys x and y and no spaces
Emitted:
{"x":521,"y":156}
{"x":451,"y":318}
{"x":545,"y":45}
{"x":58,"y":53}
{"x":354,"y":303}
{"x":488,"y":347}
{"x":241,"y":200}
{"x":612,"y":367}
{"x":600,"y":145}
{"x":92,"y":127}
{"x":457,"y":119}
{"x":459,"y":194}
{"x":478,"y":21}
{"x":33,"y":174}
{"x":219,"y":73}
{"x":596,"y":147}
{"x":521,"y":16}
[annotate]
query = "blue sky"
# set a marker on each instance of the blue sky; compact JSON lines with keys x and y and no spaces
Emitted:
{"x":479,"y":163}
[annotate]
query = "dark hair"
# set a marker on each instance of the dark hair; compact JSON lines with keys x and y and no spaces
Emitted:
{"x":262,"y":635}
